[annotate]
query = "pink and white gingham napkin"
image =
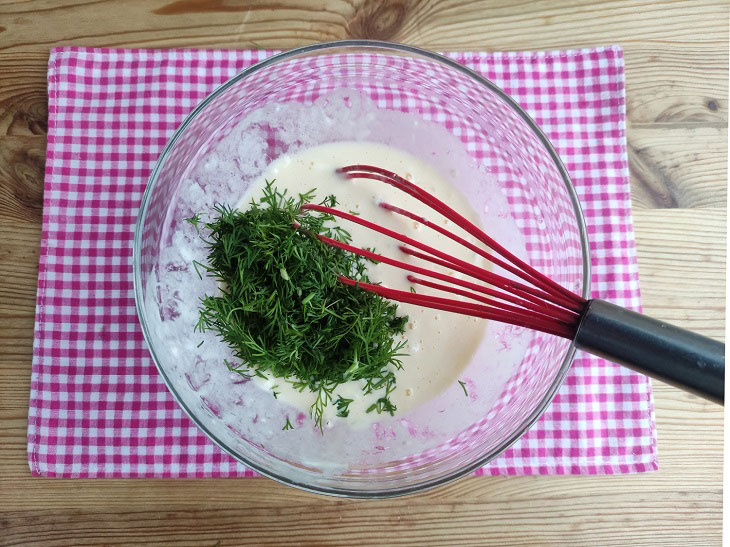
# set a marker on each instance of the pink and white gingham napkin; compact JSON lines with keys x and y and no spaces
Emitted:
{"x":98,"y":407}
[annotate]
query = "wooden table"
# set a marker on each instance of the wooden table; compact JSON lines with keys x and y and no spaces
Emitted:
{"x":677,"y":86}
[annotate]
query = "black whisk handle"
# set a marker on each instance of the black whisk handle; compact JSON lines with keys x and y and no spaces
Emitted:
{"x":676,"y":356}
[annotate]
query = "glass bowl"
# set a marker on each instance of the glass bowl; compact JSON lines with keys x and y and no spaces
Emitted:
{"x":441,"y":112}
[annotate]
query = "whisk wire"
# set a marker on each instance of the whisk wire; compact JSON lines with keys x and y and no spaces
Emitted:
{"x":383,"y":175}
{"x":680,"y":357}
{"x":464,"y":308}
{"x":529,"y":298}
{"x":541,"y":304}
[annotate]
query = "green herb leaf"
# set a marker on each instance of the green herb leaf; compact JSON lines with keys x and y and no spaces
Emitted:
{"x":264,"y":265}
{"x":194,"y":220}
{"x":463,"y":386}
{"x":343,"y":406}
{"x":382,"y":405}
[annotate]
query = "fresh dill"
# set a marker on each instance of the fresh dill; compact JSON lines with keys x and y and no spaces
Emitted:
{"x":199,"y":266}
{"x":382,"y":405}
{"x":282,"y":309}
{"x":287,"y":425}
{"x":195,"y":221}
{"x":237,"y":369}
{"x":463,"y":386}
{"x":343,"y":406}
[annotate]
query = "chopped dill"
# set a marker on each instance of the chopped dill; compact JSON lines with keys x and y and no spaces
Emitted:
{"x":195,"y":221}
{"x":343,"y":406}
{"x":463,"y":386}
{"x":198,"y":266}
{"x":382,"y":405}
{"x":283,"y":311}
{"x":287,"y":425}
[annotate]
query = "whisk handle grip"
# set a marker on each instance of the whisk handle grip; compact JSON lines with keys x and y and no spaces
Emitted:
{"x":676,"y":356}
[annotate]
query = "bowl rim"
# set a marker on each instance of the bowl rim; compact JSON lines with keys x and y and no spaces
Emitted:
{"x":396,"y":48}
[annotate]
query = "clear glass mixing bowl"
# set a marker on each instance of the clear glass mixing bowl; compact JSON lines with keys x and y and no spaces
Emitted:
{"x":452,"y":113}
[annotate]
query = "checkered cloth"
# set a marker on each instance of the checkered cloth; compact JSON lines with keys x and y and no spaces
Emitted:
{"x":98,"y":407}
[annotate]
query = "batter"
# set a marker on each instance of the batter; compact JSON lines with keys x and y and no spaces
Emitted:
{"x":439,"y":344}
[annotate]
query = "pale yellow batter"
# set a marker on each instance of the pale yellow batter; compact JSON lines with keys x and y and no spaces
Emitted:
{"x":439,"y":344}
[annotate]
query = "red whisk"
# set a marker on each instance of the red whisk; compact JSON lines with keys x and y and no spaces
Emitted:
{"x":655,"y":348}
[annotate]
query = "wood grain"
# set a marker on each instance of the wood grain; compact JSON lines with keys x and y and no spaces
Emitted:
{"x":23,"y":99}
{"x":22,"y":161}
{"x":674,"y":74}
{"x":677,"y":103}
{"x":674,"y":288}
{"x":678,"y":166}
{"x":442,"y":24}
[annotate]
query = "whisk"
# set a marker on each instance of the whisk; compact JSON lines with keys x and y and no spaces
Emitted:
{"x":532,"y":300}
